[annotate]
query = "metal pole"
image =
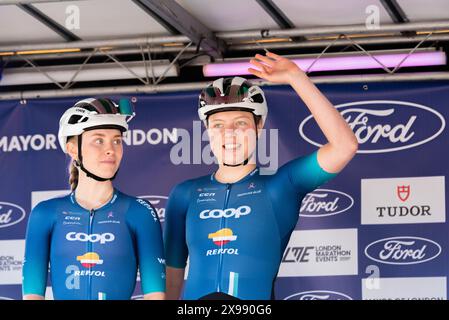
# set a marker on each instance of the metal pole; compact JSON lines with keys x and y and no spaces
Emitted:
{"x":102,"y":91}
{"x":125,"y":42}
{"x":341,"y":42}
{"x":425,"y":76}
{"x":12,"y":2}
{"x":251,"y":34}
{"x":345,"y":29}
{"x":84,"y":54}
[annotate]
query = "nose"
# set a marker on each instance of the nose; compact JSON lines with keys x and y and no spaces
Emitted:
{"x":109,"y":149}
{"x":230,"y":131}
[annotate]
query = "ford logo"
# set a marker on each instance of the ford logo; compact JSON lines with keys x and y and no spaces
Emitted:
{"x":318,"y":295}
{"x":403,"y":250}
{"x":10,"y":214}
{"x":324,"y":203}
{"x":158,"y":203}
{"x":383,"y":125}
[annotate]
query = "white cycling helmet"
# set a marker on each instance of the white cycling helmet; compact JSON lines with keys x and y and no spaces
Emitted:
{"x":227,"y":94}
{"x":89,"y":114}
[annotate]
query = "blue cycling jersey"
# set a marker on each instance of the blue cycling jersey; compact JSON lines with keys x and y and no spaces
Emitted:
{"x":235,"y":234}
{"x":94,"y":254}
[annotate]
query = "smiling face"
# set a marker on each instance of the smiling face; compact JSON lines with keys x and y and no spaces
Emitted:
{"x":232,"y":136}
{"x":102,"y":151}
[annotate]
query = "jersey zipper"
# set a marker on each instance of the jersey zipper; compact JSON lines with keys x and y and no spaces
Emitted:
{"x":89,"y":247}
{"x":222,"y":225}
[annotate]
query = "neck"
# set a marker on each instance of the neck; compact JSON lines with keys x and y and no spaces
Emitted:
{"x":227,"y":174}
{"x":92,"y":194}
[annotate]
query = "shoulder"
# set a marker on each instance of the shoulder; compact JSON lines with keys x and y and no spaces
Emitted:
{"x":139,"y":207}
{"x":191,"y":183}
{"x":50,"y":204}
{"x":185,"y":188}
{"x":45,"y":212}
{"x":309,"y":159}
{"x":302,"y":164}
{"x":135,"y":202}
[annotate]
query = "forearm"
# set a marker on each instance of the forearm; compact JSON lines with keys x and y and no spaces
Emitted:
{"x":342,"y":143}
{"x":154,"y":296}
{"x":33,"y":297}
{"x":174,"y":283}
{"x":173,"y":292}
{"x":332,"y":124}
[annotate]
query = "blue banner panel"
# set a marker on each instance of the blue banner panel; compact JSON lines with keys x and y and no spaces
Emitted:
{"x":376,"y":231}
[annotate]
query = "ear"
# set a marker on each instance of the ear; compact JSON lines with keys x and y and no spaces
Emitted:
{"x":72,"y":148}
{"x":260,"y":124}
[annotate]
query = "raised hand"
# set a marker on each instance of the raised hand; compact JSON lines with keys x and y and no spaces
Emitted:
{"x":274,"y":68}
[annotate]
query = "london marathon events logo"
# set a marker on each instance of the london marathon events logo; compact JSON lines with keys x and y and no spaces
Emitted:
{"x":383,"y":125}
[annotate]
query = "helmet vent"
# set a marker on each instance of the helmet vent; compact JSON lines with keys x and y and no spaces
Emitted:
{"x":76,"y":119}
{"x":257,"y":98}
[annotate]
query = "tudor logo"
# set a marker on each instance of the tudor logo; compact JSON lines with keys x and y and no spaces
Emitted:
{"x":403,"y":192}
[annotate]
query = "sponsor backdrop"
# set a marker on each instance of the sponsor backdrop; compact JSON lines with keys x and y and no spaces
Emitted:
{"x":377,"y":231}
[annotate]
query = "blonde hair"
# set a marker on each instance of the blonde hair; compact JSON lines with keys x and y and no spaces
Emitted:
{"x":73,"y":170}
{"x":74,"y":174}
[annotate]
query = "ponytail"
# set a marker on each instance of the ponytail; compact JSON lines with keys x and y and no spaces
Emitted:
{"x":74,"y":174}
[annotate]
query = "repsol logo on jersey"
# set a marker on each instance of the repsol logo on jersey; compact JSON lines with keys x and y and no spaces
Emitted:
{"x":221,"y":251}
{"x":149,"y":207}
{"x":95,"y":237}
{"x":226,"y":213}
{"x":159,"y":203}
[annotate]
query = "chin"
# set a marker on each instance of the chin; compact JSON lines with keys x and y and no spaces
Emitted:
{"x":107,"y":174}
{"x":233,"y":161}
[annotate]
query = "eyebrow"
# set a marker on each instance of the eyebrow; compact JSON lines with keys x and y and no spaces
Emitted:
{"x":239,"y":117}
{"x":103,"y":135}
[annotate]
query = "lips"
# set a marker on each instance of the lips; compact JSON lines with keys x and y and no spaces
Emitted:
{"x":111,"y":162}
{"x":232,"y":146}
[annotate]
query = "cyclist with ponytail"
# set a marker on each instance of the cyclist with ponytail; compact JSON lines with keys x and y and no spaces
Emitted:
{"x":96,"y":238}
